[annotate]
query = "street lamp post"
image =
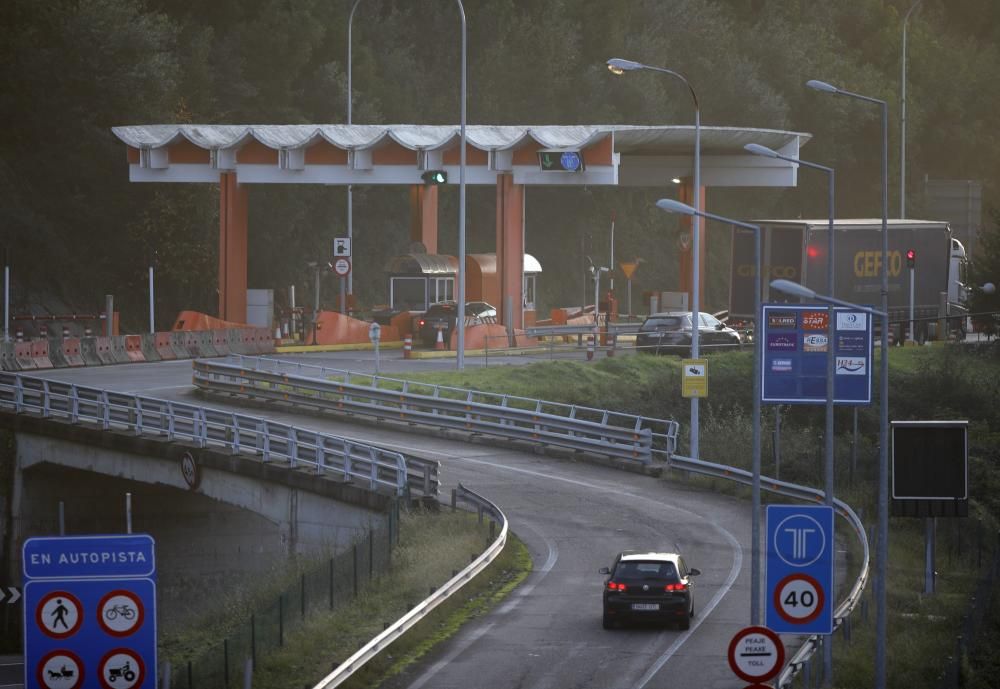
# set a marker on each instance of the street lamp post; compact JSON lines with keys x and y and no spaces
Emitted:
{"x":620,"y":66}
{"x":902,"y":121}
{"x":460,"y":290}
{"x":757,"y":149}
{"x":672,"y":206}
{"x":882,"y":546}
{"x":350,"y":188}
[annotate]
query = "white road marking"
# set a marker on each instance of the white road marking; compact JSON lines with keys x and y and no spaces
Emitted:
{"x":508,"y":605}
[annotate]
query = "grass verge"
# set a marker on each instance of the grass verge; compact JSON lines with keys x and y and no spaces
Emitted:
{"x":433,"y":545}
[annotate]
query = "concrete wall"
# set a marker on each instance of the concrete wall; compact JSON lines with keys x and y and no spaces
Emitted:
{"x":243,"y":522}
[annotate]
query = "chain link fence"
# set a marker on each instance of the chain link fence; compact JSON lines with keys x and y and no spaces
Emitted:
{"x":327,"y":586}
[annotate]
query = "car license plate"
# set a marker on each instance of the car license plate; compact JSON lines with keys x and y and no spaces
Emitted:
{"x":645,"y":606}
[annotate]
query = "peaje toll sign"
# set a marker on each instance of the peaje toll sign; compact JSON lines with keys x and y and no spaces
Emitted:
{"x":756,"y":654}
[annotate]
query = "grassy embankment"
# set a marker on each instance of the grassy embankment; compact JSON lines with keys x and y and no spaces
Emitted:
{"x":925,"y":383}
{"x":433,"y":546}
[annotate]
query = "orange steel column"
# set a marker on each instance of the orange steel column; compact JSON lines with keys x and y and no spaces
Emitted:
{"x":510,"y":250}
{"x":232,"y":249}
{"x":424,"y":216}
{"x":685,"y":194}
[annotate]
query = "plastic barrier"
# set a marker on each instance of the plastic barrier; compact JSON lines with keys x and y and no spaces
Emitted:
{"x":40,"y":353}
{"x":56,"y":355}
{"x":104,"y":352}
{"x":71,"y":352}
{"x":178,"y":342}
{"x":162,"y":343}
{"x":192,"y":343}
{"x":22,"y":356}
{"x":205,"y":343}
{"x":88,"y":350}
{"x":149,"y":346}
{"x":265,"y":341}
{"x":220,"y":342}
{"x":118,"y":350}
{"x":7,"y":360}
{"x":133,"y":348}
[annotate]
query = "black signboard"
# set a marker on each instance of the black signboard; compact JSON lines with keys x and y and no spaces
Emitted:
{"x":930,"y":469}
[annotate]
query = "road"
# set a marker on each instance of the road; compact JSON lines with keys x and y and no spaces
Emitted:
{"x":574,"y":516}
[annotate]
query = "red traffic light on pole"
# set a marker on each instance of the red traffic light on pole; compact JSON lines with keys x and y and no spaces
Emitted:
{"x":911,"y":258}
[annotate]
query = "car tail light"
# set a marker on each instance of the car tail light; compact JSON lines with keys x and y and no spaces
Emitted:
{"x":615,"y":586}
{"x":675,"y":587}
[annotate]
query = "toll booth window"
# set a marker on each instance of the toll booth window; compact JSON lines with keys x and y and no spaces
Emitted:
{"x":408,"y":294}
{"x":443,"y":289}
{"x":529,"y":291}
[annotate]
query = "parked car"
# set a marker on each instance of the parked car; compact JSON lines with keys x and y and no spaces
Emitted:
{"x":648,"y":586}
{"x":670,"y":333}
{"x":442,"y":316}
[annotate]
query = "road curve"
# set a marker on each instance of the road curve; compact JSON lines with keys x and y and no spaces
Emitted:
{"x":574,"y":516}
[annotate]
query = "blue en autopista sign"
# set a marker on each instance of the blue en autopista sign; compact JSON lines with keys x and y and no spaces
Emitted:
{"x":799,"y":577}
{"x":90,"y":612}
{"x":796,"y":342}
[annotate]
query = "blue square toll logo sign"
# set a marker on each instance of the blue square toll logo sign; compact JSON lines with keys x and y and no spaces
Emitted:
{"x":800,"y":551}
{"x":90,"y":612}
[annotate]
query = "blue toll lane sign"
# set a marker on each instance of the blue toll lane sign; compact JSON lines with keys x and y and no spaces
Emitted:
{"x":796,"y":345}
{"x":800,"y":550}
{"x":90,"y":612}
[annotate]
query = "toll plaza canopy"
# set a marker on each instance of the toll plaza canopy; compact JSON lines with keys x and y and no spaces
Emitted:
{"x":509,"y":157}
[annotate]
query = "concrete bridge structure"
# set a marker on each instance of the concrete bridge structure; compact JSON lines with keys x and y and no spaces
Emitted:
{"x":220,"y":521}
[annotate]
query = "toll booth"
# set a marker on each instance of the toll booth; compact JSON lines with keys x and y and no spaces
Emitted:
{"x":418,"y":280}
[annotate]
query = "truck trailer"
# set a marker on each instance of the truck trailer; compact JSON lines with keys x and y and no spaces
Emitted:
{"x":797,"y":250}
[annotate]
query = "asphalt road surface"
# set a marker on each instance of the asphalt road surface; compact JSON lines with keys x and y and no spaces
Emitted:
{"x":574,"y":516}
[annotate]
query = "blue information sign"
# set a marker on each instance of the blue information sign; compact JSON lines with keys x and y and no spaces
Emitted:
{"x":795,"y":341}
{"x":800,"y":551}
{"x":90,"y":612}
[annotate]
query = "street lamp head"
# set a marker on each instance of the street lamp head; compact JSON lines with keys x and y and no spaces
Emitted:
{"x":989,"y":288}
{"x":617,"y":65}
{"x":793,"y":288}
{"x":821,"y":86}
{"x":759,"y":150}
{"x":671,"y":206}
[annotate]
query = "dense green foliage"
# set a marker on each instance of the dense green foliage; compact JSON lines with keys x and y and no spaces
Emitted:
{"x":71,"y":69}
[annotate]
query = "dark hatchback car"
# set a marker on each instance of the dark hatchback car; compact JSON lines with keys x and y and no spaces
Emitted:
{"x":654,"y":587}
{"x":670,"y":333}
{"x":442,"y":316}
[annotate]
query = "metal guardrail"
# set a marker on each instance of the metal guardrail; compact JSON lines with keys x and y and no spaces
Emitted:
{"x":582,"y":329}
{"x":840,"y":613}
{"x":403,"y":624}
{"x":339,"y":458}
{"x":617,"y":435}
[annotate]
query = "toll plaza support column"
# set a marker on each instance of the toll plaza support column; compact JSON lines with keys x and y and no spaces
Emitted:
{"x":510,"y":250}
{"x":232,"y":249}
{"x":424,"y":216}
{"x":685,"y":194}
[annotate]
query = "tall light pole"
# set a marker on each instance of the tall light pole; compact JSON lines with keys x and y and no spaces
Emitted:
{"x":672,"y":206}
{"x":882,"y":547}
{"x":350,"y":188}
{"x":620,"y":66}
{"x":460,"y":292}
{"x":902,"y":119}
{"x":757,"y":149}
{"x":460,"y":288}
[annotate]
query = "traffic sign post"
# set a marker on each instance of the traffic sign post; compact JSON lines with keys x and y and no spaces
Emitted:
{"x":800,"y":550}
{"x":756,"y":654}
{"x":694,"y":378}
{"x":375,"y":335}
{"x":90,"y":612}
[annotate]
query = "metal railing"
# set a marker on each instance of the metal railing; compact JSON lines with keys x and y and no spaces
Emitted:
{"x":614,"y":434}
{"x":403,"y":624}
{"x":792,"y":490}
{"x":371,"y":467}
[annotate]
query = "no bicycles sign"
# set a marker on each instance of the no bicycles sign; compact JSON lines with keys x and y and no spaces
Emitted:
{"x":90,"y":612}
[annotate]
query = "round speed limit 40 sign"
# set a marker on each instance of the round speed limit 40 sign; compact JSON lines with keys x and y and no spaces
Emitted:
{"x":799,"y":598}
